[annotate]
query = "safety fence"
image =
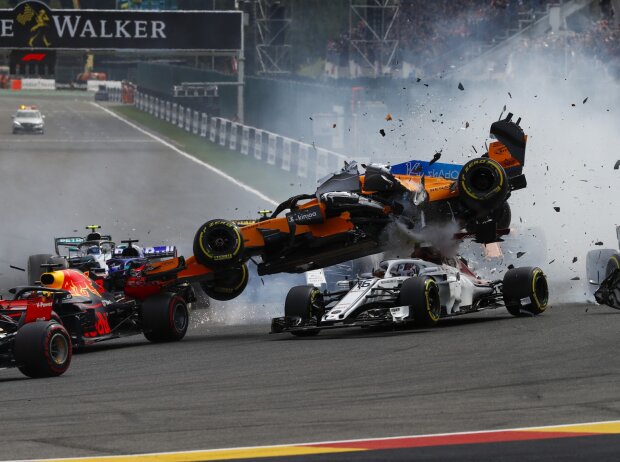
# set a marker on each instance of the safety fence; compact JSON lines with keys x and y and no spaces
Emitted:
{"x":301,"y":159}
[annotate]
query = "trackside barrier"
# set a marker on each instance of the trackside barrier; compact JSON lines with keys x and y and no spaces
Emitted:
{"x":173,"y":114}
{"x":213,"y":129}
{"x":181,"y":116}
{"x":204,"y":120}
{"x":234,"y":130}
{"x":195,"y":122}
{"x":188,"y":119}
{"x":271,"y":149}
{"x":286,"y":155}
{"x":258,"y":144}
{"x":223,"y":131}
{"x":301,"y":159}
{"x":38,"y":84}
{"x":245,"y":140}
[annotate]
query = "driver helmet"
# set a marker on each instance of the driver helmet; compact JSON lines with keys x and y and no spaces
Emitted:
{"x":93,"y":250}
{"x":408,"y":269}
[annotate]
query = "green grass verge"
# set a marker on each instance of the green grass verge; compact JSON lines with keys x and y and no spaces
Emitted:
{"x":270,"y":180}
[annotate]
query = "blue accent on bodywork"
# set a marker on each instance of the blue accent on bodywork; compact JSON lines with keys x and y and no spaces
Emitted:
{"x":422,"y":167}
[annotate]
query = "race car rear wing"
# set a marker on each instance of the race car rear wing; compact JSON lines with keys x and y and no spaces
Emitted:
{"x":508,"y":151}
{"x":72,"y":241}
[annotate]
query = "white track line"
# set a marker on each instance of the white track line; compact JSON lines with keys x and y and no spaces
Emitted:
{"x":217,"y":171}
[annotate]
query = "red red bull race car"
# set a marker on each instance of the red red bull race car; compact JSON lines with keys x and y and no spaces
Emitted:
{"x":31,"y":337}
{"x":95,"y":310}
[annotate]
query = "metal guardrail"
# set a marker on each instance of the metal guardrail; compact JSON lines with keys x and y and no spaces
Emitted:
{"x":301,"y":159}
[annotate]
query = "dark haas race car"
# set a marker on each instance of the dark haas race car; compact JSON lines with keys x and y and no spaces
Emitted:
{"x":345,"y":217}
{"x":95,"y":253}
{"x":95,"y":310}
{"x":411,"y":291}
{"x":603,"y":270}
{"x":31,"y":338}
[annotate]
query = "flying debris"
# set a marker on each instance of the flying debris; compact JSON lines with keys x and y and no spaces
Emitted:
{"x":557,"y":209}
{"x":584,"y":101}
{"x":520,"y":254}
{"x":510,"y":95}
{"x":574,"y":259}
{"x":435,"y":158}
{"x":461,"y":87}
{"x":382,"y":131}
{"x":598,"y":243}
{"x":388,"y":117}
{"x":617,"y":166}
{"x":576,"y":278}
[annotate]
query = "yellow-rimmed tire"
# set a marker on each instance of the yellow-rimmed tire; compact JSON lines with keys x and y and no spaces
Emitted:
{"x":227,"y":284}
{"x":421,"y":294}
{"x":218,"y":244}
{"x":525,"y":290}
{"x":612,"y":264}
{"x":304,"y":302}
{"x":483,"y":185}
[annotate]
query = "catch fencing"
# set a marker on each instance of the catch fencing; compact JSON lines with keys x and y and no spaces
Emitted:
{"x":301,"y":159}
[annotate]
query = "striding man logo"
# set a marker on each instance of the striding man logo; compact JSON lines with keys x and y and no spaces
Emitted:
{"x":39,"y":26}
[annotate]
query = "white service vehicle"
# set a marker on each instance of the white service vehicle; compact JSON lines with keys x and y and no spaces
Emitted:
{"x":411,"y":290}
{"x":28,"y":119}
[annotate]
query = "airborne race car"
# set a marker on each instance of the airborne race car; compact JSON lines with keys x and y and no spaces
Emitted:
{"x":30,"y":338}
{"x":411,"y":291}
{"x":346,"y":216}
{"x":93,"y":311}
{"x":603,"y":270}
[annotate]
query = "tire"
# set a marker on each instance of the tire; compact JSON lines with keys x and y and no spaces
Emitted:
{"x":304,"y":302}
{"x":43,"y":349}
{"x":34,"y":265}
{"x":483,"y":185}
{"x":165,"y":317}
{"x":612,"y":264}
{"x":421,"y":294}
{"x":228,"y":283}
{"x":503,"y":216}
{"x":525,"y":289}
{"x":218,"y":244}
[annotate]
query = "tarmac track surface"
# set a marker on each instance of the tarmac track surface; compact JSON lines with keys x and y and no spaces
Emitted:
{"x":229,"y":386}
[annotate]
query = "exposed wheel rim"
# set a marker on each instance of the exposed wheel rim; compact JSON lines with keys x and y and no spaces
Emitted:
{"x":540,"y":290}
{"x":179,"y":317}
{"x":59,"y":349}
{"x":219,"y":240}
{"x":432,"y":299}
{"x":483,"y":180}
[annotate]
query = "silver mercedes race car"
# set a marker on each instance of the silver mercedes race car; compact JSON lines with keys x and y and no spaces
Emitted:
{"x":411,"y":291}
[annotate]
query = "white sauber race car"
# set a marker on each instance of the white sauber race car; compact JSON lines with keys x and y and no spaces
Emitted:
{"x":411,"y":291}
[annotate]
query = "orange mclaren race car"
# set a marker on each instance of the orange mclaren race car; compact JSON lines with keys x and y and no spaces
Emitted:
{"x":345,"y":217}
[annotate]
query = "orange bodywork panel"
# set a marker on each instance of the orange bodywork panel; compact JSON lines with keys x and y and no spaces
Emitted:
{"x":194,"y":270}
{"x":500,"y":153}
{"x":253,"y":238}
{"x":437,"y":188}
